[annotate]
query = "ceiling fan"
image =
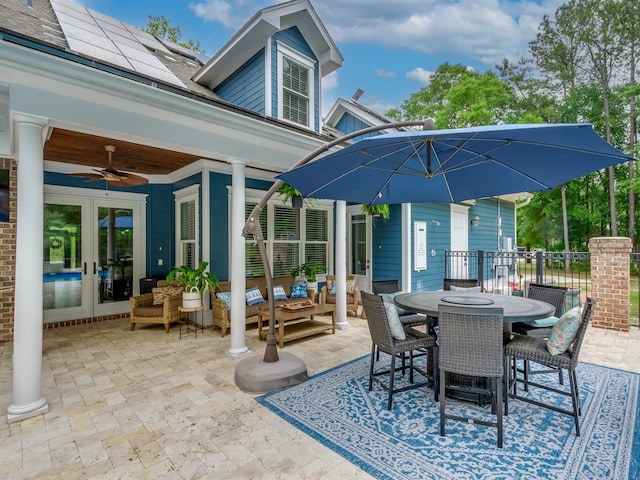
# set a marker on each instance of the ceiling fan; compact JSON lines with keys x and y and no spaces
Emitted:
{"x":111,"y":175}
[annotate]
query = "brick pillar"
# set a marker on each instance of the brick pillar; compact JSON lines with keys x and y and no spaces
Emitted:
{"x":610,"y":284}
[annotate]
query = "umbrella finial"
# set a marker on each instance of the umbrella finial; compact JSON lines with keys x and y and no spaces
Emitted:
{"x":428,"y":124}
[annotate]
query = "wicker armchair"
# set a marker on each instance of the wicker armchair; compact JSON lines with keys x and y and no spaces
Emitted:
{"x":534,"y":349}
{"x":471,"y":344}
{"x":142,"y":309}
{"x":383,"y":340}
{"x":352,"y":298}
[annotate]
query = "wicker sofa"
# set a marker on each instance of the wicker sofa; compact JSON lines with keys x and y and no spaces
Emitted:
{"x":143,"y":310}
{"x":222,"y":314}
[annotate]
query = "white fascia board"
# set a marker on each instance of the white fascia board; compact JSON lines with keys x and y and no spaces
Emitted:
{"x":70,"y":94}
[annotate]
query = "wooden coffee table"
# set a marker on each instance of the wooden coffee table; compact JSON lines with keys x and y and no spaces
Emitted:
{"x":293,"y":325}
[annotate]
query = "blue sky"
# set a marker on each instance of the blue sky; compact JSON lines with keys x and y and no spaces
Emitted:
{"x":389,"y":46}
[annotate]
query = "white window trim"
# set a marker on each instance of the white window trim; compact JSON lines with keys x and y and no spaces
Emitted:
{"x":180,"y":196}
{"x":254,"y":196}
{"x":286,"y":51}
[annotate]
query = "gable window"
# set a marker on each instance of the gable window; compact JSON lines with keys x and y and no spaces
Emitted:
{"x":187,"y":247}
{"x":295,"y":91}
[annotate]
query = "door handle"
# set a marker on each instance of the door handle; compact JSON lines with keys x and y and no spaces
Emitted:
{"x":84,"y":268}
{"x":95,"y":269}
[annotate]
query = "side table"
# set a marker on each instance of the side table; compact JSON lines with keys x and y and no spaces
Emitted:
{"x":186,"y":312}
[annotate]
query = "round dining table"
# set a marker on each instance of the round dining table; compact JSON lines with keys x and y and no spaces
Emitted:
{"x":516,"y":309}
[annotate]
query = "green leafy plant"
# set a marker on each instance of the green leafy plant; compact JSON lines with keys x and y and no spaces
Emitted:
{"x":381,"y":210}
{"x":188,"y":277}
{"x":309,"y":271}
{"x":289,"y":192}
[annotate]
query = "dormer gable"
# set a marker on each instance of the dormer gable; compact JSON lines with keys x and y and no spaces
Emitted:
{"x":274,"y":64}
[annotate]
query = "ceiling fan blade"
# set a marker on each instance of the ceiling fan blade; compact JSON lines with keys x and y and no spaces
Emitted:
{"x":111,"y":175}
{"x":131,"y":180}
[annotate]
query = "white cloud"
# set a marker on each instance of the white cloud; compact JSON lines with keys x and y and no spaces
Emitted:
{"x":421,"y":75}
{"x":382,"y":73}
{"x":230,"y":13}
{"x":330,"y":82}
{"x":486,"y":30}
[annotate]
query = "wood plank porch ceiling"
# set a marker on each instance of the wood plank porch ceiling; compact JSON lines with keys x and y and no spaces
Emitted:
{"x":83,"y":149}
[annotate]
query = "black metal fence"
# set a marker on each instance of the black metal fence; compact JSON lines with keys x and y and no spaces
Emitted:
{"x":509,"y":272}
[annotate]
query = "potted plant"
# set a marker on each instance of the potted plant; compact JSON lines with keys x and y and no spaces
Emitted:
{"x":290,"y":192}
{"x":309,"y":272}
{"x":193,"y":281}
{"x":515,"y":289}
{"x":380,"y":210}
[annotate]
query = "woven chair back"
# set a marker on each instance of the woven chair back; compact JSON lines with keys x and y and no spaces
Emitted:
{"x":377,"y":321}
{"x":385,"y":286}
{"x":459,"y":282}
{"x":471,"y":340}
{"x":556,"y":296}
{"x":576,"y":345}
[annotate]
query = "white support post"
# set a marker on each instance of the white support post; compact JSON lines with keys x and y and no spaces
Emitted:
{"x":28,"y":400}
{"x":341,"y":265}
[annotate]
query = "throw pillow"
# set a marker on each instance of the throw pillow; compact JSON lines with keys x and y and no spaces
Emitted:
{"x":226,"y":297}
{"x":279,"y":293}
{"x":564,"y":332}
{"x":254,"y":296}
{"x":543,"y":322}
{"x":333,"y":289}
{"x":299,"y":290}
{"x":465,"y":289}
{"x":389,"y":298}
{"x":159,"y":293}
{"x":395,"y":325}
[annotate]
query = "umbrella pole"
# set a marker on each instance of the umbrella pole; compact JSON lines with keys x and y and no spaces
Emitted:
{"x":273,"y":371}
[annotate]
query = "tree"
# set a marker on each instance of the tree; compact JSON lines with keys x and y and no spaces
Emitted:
{"x":160,"y":27}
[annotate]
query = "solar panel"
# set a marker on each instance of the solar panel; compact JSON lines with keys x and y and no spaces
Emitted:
{"x":106,"y":39}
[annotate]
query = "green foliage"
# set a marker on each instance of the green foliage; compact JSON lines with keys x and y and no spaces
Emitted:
{"x":309,"y":271}
{"x":188,"y":277}
{"x":160,"y":27}
{"x":381,"y":210}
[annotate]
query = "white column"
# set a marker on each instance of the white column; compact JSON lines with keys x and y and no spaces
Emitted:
{"x":407,"y":247}
{"x":341,"y":264}
{"x":237,"y":274}
{"x":27,"y":322}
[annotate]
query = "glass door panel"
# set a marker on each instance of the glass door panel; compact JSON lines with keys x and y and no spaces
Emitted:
{"x":359,"y":248}
{"x":115,"y":247}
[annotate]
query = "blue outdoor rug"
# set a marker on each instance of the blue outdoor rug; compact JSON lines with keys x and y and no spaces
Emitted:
{"x":336,"y":408}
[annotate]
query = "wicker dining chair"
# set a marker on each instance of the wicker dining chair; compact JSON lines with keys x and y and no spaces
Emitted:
{"x":447,"y":283}
{"x":386,"y":288}
{"x":382,"y":340}
{"x":534,"y":349}
{"x":471,"y":344}
{"x":553,"y":295}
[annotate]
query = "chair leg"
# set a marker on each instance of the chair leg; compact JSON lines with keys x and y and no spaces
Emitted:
{"x":443,"y":401}
{"x":574,"y":399}
{"x":573,"y":372}
{"x":506,"y":383}
{"x":392,"y":373}
{"x":436,"y":379}
{"x":373,"y":356}
{"x":497,"y":383}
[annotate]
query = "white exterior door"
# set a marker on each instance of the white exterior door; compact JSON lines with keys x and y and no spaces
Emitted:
{"x":359,"y":247}
{"x":458,"y":267}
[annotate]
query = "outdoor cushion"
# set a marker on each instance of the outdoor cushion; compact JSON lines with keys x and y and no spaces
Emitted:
{"x":226,"y":296}
{"x":389,"y":298}
{"x":564,"y":332}
{"x":466,"y":289}
{"x":351,"y":286}
{"x":299,"y":290}
{"x":159,"y":293}
{"x":254,"y":296}
{"x":543,"y":322}
{"x":397,"y":331}
{"x":279,"y":293}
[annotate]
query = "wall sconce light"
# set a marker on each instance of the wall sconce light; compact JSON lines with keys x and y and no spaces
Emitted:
{"x":475,"y":221}
{"x":435,"y":223}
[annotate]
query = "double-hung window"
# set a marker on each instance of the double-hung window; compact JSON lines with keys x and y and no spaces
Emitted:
{"x":291,"y":236}
{"x":187,"y":206}
{"x":296,"y":93}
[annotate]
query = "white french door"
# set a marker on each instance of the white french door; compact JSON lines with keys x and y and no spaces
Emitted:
{"x":459,"y":240}
{"x":94,"y":252}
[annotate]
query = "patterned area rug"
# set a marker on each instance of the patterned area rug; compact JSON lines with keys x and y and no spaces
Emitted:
{"x":337,"y":409}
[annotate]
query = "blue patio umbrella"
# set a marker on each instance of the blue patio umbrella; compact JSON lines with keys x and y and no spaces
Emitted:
{"x":455,"y":165}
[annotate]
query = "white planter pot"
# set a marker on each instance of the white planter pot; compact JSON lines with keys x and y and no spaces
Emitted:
{"x":191,"y":299}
